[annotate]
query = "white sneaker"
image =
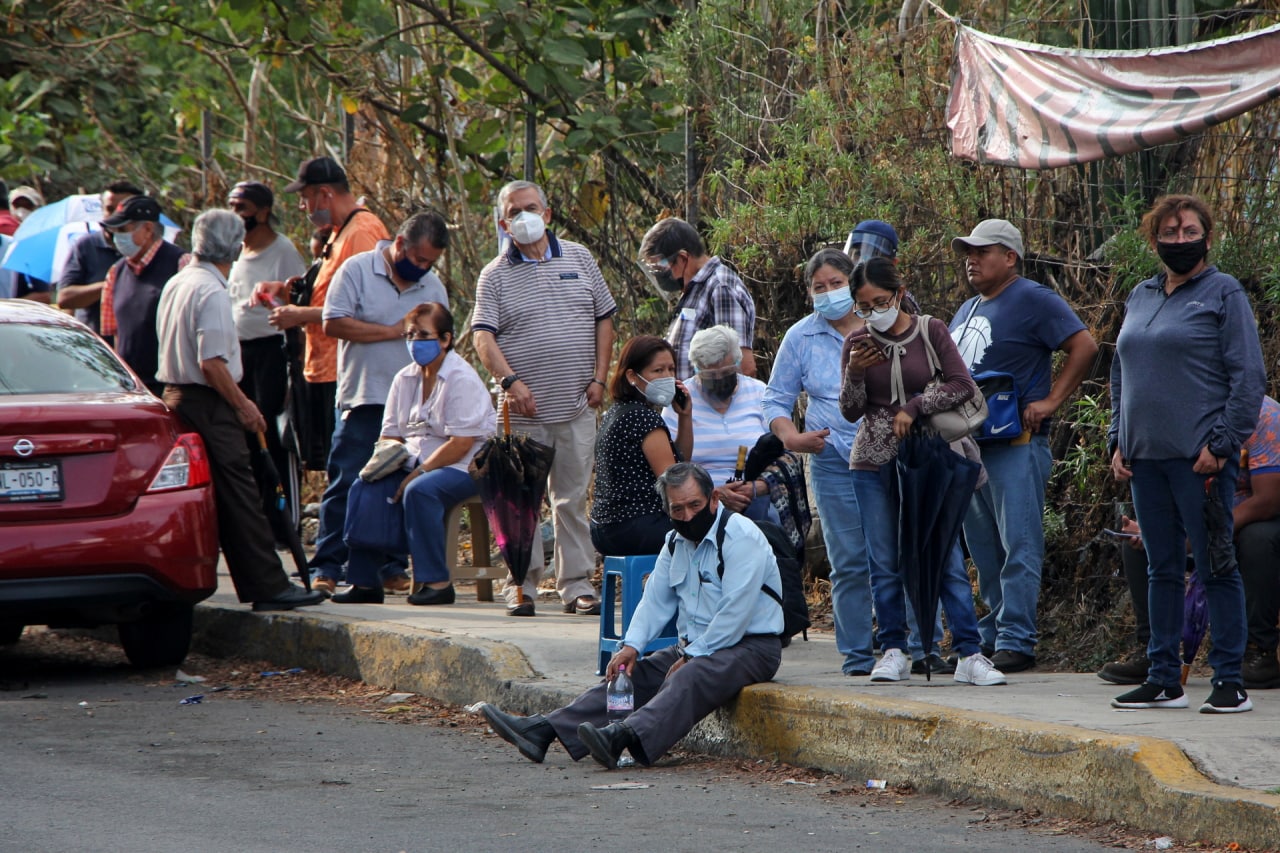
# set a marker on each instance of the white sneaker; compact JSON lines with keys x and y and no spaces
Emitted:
{"x":892,"y":666}
{"x":977,"y":669}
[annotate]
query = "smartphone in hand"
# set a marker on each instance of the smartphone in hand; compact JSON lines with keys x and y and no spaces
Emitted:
{"x":681,"y":399}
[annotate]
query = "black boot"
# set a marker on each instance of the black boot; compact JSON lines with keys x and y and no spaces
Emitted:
{"x":530,"y":735}
{"x":607,"y":744}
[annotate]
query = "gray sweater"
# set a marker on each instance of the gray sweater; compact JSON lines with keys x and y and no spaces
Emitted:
{"x":1188,"y":370}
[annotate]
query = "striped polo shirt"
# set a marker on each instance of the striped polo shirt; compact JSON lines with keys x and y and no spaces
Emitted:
{"x":543,"y":315}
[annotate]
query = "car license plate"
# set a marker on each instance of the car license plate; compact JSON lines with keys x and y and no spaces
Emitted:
{"x":30,"y":481}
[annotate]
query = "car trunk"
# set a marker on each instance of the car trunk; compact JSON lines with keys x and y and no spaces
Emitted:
{"x":105,"y":447}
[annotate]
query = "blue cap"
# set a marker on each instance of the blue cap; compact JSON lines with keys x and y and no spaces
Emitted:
{"x":872,"y":237}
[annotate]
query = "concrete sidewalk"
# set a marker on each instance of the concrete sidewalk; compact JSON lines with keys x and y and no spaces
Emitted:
{"x":1046,"y":741}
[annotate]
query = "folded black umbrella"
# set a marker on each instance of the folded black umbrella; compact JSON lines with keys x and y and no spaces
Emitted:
{"x":1217,"y":521}
{"x":511,"y":475}
{"x":931,"y":486}
{"x":276,"y":507}
{"x":766,"y":451}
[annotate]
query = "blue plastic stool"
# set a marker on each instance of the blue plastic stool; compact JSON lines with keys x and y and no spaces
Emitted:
{"x":630,"y":572}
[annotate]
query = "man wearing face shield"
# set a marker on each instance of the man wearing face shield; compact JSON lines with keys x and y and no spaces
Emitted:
{"x":675,"y":259}
{"x":364,"y":312}
{"x":133,"y":286}
{"x":543,"y":328}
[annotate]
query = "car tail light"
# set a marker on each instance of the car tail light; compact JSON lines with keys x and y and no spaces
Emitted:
{"x":186,"y":467}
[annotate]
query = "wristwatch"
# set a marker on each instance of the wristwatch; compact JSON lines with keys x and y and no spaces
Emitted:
{"x":508,"y":381}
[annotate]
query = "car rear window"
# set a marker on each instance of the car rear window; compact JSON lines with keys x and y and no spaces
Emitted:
{"x":38,"y":359}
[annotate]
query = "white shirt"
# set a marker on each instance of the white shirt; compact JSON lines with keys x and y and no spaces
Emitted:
{"x":277,"y":261}
{"x":459,"y":406}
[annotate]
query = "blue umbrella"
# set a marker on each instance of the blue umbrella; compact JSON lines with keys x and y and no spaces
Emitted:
{"x":43,"y":241}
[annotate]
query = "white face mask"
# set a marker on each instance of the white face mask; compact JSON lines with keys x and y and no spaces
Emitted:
{"x":20,"y":213}
{"x":527,"y":228}
{"x":884,"y":321}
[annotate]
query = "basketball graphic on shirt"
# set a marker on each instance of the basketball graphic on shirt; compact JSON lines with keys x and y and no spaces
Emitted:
{"x":972,"y":339}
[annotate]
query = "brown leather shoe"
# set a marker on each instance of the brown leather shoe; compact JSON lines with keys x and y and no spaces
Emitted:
{"x":584,"y":605}
{"x":397,"y":585}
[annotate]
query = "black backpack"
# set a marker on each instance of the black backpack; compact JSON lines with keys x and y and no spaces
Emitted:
{"x":795,"y":609}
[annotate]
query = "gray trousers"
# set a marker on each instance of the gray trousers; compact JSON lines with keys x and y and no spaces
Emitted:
{"x":668,"y":708}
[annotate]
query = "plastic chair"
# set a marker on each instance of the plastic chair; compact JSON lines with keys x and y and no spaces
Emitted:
{"x":630,"y":572}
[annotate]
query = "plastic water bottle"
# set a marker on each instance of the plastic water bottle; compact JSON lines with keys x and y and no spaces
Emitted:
{"x":620,"y":696}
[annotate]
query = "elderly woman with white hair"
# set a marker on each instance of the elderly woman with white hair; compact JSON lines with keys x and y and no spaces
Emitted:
{"x":728,"y":413}
{"x":199,"y":365}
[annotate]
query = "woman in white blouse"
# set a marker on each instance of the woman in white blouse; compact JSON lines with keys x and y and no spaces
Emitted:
{"x":441,"y":410}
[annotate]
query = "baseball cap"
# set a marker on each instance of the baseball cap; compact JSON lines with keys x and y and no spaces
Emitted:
{"x":31,"y":194}
{"x":253,"y":192}
{"x":317,"y":170}
{"x":872,"y":238}
{"x":990,"y":232}
{"x":140,"y":208}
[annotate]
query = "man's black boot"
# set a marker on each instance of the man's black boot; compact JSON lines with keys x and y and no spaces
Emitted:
{"x":607,"y":744}
{"x":530,"y":735}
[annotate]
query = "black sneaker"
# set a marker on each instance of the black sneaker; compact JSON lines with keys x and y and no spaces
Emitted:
{"x":1128,"y":670}
{"x":1151,"y":696}
{"x":1227,"y":697}
{"x":934,"y":663}
{"x":1260,"y":670}
{"x":1007,"y":660}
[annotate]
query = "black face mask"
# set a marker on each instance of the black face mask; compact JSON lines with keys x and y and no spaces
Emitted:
{"x":721,"y":388}
{"x":667,"y":282}
{"x":1182,"y":258}
{"x":696,"y":528}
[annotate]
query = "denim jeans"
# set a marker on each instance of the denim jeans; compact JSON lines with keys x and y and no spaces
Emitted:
{"x":847,"y":553}
{"x":1168,"y":498}
{"x":426,"y":502}
{"x":1004,"y":530}
{"x":880,"y":530}
{"x":353,"y":439}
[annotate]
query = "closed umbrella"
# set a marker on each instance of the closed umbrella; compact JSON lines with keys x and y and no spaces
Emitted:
{"x":1217,"y":522}
{"x":511,"y":475}
{"x":1195,"y":621}
{"x":931,"y":486}
{"x":276,"y":507}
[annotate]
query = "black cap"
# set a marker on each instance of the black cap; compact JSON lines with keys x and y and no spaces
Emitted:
{"x":318,"y":170}
{"x":140,"y":208}
{"x":253,"y":192}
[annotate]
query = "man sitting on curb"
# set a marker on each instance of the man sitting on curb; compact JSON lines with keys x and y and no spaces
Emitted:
{"x":728,"y":624}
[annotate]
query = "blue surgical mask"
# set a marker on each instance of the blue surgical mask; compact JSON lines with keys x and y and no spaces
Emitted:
{"x":125,"y":244}
{"x":833,"y":304}
{"x":423,"y":352}
{"x":408,"y":270}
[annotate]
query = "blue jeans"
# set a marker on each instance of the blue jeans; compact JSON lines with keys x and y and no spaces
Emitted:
{"x":880,"y":529}
{"x":1004,"y":530}
{"x":1168,"y":498}
{"x":847,"y":552}
{"x":426,"y":502}
{"x":353,"y":439}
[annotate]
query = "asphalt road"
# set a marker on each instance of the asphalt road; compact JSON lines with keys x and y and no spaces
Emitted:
{"x":97,"y":757}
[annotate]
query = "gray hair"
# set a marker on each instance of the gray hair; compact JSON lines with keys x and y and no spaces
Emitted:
{"x":217,"y":236}
{"x":425,"y":225}
{"x":677,"y":475}
{"x":833,"y":258}
{"x":515,"y":187}
{"x":712,"y":346}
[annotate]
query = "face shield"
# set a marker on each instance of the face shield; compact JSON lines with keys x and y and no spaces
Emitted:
{"x":660,"y":277}
{"x":863,"y":246}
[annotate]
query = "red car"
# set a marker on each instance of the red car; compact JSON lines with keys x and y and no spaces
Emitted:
{"x":106,"y":505}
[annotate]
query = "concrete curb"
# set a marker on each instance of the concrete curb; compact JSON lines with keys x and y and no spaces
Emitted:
{"x":1059,"y":770}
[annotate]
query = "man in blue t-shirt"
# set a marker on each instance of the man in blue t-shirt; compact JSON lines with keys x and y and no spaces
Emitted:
{"x":1013,"y":325}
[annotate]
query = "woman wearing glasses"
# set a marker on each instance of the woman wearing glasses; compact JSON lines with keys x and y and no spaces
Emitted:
{"x":1187,"y":383}
{"x":888,"y":381}
{"x":441,"y":410}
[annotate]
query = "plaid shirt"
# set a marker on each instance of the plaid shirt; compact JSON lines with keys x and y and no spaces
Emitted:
{"x":715,"y":297}
{"x":138,"y":264}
